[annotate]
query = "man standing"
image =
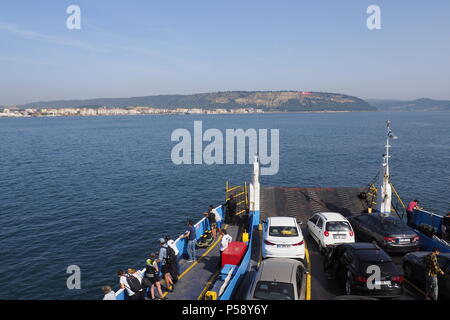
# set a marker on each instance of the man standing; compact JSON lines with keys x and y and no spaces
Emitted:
{"x":190,"y":235}
{"x":231,"y":209}
{"x":413,"y":205}
{"x":226,"y":239}
{"x":211,"y":216}
{"x":176,"y":265}
{"x":432,"y":269}
{"x":165,"y":267}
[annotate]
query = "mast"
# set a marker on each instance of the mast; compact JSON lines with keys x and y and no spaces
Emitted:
{"x":384,"y":194}
{"x":255,"y":188}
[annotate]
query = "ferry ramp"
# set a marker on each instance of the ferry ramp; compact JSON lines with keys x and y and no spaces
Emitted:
{"x":302,"y":203}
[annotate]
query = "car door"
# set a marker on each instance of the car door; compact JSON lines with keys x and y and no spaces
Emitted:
{"x":361,"y":227}
{"x":312,"y":225}
{"x":318,"y":230}
{"x":444,"y":280}
{"x":299,"y":281}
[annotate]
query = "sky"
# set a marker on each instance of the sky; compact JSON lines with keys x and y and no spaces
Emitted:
{"x":138,"y":48}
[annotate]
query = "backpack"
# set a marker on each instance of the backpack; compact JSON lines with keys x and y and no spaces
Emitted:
{"x":170,"y":255}
{"x":134,"y":283}
{"x":150,"y":272}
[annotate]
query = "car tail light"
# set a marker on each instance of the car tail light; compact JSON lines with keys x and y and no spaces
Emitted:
{"x":351,"y":233}
{"x":389,"y":239}
{"x":397,"y":279}
{"x":326,"y":233}
{"x":269,"y":243}
{"x":361,"y":279}
{"x":415,"y":239}
{"x":298,"y":244}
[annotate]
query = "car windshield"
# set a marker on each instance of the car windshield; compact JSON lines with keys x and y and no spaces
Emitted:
{"x":283,"y":231}
{"x":338,"y":226}
{"x":266,"y":290}
{"x":393,"y":225}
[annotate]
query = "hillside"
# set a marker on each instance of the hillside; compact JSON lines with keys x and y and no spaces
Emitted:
{"x":266,"y":100}
{"x":423,"y":104}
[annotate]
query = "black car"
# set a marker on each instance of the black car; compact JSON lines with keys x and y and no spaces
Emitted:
{"x":352,"y":266}
{"x":389,"y":232}
{"x":414,"y":269}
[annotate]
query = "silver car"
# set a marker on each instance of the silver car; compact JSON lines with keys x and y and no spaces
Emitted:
{"x":279,"y":279}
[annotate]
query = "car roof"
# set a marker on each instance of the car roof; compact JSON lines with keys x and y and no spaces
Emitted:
{"x":368,"y":252}
{"x":362,"y":245}
{"x":282,"y":221}
{"x":278,"y":269}
{"x":333,"y":216}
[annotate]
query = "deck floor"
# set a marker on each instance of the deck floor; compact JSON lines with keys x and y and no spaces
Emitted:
{"x":191,"y":283}
{"x":302,"y":203}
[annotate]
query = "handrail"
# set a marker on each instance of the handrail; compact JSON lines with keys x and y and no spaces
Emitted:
{"x":398,"y":196}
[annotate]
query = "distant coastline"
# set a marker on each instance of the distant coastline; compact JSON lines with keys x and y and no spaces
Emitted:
{"x":137,"y":111}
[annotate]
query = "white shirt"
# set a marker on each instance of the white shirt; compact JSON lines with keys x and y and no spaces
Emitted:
{"x":110,"y":296}
{"x":172,"y":244}
{"x":226,"y":239}
{"x":123,"y":280}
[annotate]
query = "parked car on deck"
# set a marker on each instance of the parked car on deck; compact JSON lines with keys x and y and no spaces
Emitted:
{"x":389,"y":232}
{"x":282,"y":238}
{"x":279,"y":279}
{"x":353,"y":265}
{"x":414,"y":269}
{"x":330,"y":229}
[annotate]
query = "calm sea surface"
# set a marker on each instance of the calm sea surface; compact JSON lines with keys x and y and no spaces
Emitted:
{"x":98,"y":192}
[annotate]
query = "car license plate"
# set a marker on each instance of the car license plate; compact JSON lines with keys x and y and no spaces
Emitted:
{"x":382,"y":283}
{"x":404,"y":241}
{"x":339,"y":236}
{"x":283,"y":246}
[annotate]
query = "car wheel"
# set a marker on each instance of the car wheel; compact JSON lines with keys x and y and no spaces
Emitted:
{"x":408,"y":270}
{"x":349,"y":284}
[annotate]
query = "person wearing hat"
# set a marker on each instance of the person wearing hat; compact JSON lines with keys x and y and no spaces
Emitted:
{"x":162,"y":258}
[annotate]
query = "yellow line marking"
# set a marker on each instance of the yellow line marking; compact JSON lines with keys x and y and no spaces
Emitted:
{"x":415,"y":287}
{"x":308,"y":275}
{"x":198,"y":260}
{"x":208,"y":284}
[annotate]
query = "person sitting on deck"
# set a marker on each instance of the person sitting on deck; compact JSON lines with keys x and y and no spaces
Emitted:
{"x":413,"y":205}
{"x":165,"y":266}
{"x":152,"y":278}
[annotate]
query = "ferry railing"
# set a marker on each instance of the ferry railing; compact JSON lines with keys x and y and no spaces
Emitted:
{"x":181,"y":244}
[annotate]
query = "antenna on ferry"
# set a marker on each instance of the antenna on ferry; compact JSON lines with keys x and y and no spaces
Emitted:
{"x":384,"y":194}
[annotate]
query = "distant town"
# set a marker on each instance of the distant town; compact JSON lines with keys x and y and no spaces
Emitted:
{"x":108,"y":111}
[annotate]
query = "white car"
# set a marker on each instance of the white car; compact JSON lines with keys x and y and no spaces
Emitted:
{"x":330,"y":229}
{"x":282,"y":238}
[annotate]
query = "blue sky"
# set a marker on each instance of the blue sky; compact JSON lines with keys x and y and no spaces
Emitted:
{"x":137,"y":48}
